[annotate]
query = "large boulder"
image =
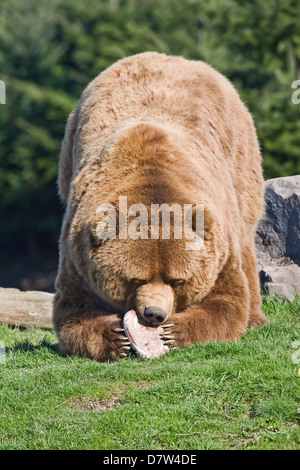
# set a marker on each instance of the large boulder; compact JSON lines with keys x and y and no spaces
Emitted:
{"x":278,"y":238}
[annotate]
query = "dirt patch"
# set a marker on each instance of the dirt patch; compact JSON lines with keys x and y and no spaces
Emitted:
{"x":96,"y":404}
{"x":142,"y":384}
{"x":106,"y":404}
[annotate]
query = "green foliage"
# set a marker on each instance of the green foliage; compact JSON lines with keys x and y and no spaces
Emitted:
{"x":51,"y":49}
{"x":263,"y":51}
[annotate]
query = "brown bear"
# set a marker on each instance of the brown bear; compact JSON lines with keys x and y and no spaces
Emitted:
{"x":154,"y":129}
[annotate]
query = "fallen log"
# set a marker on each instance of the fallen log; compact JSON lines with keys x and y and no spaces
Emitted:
{"x":24,"y":309}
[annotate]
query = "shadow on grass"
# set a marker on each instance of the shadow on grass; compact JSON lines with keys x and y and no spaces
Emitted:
{"x":26,"y":346}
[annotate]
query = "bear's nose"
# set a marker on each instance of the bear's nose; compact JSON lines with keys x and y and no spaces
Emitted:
{"x":154,"y":314}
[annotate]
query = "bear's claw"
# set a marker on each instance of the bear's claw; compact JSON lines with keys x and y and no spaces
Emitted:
{"x":169,"y":342}
{"x":167,"y":336}
{"x":119,"y":330}
{"x":171,"y":335}
{"x":122,"y":343}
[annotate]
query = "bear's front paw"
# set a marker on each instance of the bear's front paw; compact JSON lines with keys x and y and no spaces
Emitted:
{"x":173,"y":335}
{"x":257,"y":318}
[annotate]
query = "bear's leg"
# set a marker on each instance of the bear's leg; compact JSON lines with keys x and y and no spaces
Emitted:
{"x":96,"y":335}
{"x":249,"y":264}
{"x":223,"y":315}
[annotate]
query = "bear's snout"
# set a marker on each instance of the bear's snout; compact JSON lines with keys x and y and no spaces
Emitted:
{"x":154,"y":314}
{"x":154,"y":302}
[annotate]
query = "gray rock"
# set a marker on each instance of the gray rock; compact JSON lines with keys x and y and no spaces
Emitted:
{"x":278,"y":238}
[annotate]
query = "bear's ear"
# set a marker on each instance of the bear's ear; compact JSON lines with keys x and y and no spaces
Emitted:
{"x":65,"y":171}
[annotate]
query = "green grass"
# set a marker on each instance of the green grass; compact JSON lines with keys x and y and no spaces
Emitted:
{"x":242,"y":395}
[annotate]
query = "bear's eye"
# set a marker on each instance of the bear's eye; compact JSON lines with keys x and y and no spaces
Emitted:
{"x":138,"y":282}
{"x":177,"y":282}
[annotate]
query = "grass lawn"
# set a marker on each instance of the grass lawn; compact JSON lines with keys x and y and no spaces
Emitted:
{"x":243,"y":395}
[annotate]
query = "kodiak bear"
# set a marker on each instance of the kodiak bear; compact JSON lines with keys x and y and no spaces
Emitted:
{"x":151,"y":130}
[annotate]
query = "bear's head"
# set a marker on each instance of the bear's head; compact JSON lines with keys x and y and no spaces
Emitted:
{"x":156,"y":275}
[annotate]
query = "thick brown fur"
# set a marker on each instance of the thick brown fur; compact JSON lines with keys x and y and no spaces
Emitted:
{"x":158,"y":129}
